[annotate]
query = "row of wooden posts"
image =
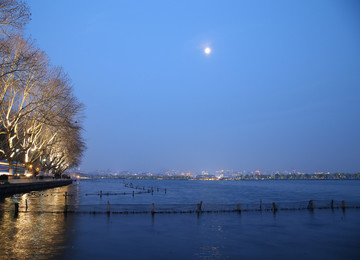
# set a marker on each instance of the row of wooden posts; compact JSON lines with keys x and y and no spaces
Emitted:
{"x":198,"y":206}
{"x":143,"y":188}
{"x":133,"y":192}
{"x":274,"y":207}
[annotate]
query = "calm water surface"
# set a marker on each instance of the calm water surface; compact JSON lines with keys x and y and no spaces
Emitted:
{"x":42,"y":231}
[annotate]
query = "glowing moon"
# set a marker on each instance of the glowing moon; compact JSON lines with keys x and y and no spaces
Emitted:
{"x":207,"y":50}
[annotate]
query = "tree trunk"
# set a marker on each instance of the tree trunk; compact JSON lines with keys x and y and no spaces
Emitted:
{"x":11,"y":171}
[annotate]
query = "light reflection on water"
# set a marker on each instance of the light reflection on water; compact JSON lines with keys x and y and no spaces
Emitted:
{"x":33,"y":235}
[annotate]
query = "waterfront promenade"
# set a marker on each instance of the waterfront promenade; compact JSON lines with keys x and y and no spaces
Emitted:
{"x":15,"y":186}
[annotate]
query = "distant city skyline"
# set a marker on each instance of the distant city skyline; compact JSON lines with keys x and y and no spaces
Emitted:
{"x":225,"y":172}
{"x":217,"y":176}
{"x":278,"y":87}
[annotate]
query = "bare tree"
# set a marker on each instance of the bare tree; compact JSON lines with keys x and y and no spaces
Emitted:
{"x":39,"y":115}
{"x":19,"y":88}
{"x":14,"y":15}
{"x":53,"y":122}
{"x":65,"y":153}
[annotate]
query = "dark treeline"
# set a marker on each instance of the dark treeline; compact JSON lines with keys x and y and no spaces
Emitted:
{"x":40,"y":118}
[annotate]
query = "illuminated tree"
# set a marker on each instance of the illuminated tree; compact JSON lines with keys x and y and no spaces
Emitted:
{"x":20,"y":83}
{"x":39,"y":115}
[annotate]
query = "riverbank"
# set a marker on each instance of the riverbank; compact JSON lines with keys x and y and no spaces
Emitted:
{"x":23,"y":186}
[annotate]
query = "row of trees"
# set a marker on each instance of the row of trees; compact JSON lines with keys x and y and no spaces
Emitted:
{"x":40,"y":117}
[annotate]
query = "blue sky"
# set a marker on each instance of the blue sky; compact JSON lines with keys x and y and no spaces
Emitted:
{"x":280,"y":90}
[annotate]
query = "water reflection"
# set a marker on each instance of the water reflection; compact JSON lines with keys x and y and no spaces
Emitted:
{"x":34,"y":232}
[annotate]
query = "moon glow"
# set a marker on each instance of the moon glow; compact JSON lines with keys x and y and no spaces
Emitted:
{"x":207,"y":50}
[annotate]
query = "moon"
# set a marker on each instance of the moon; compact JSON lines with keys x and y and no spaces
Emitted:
{"x":207,"y":50}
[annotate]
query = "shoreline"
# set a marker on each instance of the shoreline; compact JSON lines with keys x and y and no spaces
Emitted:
{"x":16,"y":188}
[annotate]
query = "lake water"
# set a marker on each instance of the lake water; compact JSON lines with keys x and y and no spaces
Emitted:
{"x":43,"y":231}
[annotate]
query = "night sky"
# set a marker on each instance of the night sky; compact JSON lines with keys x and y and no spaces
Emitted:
{"x":280,"y":89}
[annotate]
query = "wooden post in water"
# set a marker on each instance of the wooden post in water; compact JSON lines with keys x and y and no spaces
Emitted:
{"x":66,"y":206}
{"x":26,"y":206}
{"x":311,"y":205}
{"x":343,"y":205}
{"x":100,"y":194}
{"x":16,"y":208}
{"x":133,"y":193}
{"x":198,"y":207}
{"x":274,"y":207}
{"x":108,"y":208}
{"x":165,"y":190}
{"x":239,"y":207}
{"x":153,"y":208}
{"x":260,"y":204}
{"x":332,"y":204}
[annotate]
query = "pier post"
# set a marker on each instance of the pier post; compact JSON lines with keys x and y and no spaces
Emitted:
{"x":133,"y":193}
{"x":108,"y":208}
{"x":165,"y":190}
{"x":153,"y":208}
{"x":26,"y":205}
{"x":311,"y":205}
{"x":198,"y":207}
{"x":332,"y":204}
{"x":100,"y":194}
{"x":16,"y":205}
{"x":343,"y":205}
{"x":239,"y":207}
{"x":65,"y":209}
{"x":274,"y":207}
{"x":260,"y":204}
